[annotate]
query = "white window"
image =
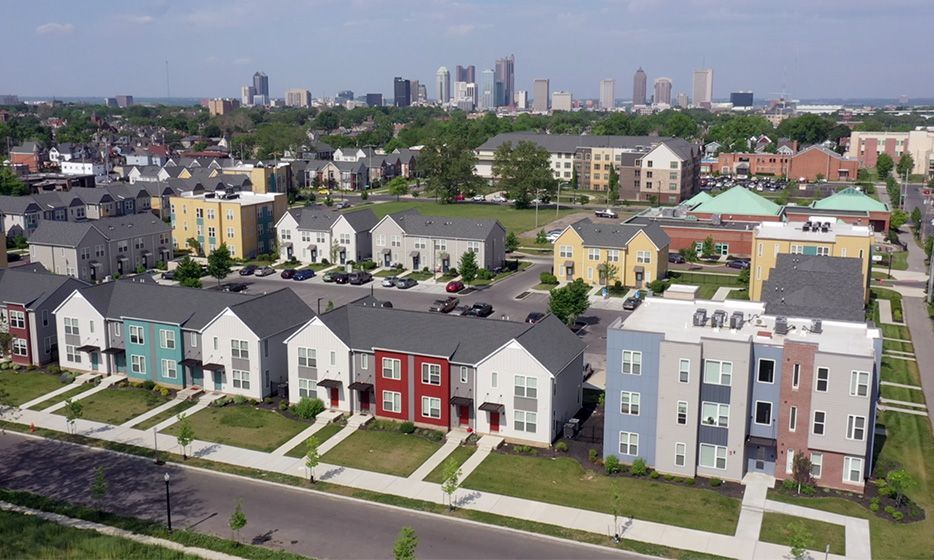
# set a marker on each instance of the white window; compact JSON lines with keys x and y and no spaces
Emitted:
{"x":473,"y":246}
{"x":431,"y":407}
{"x":91,"y":326}
{"x":230,"y":214}
{"x":20,"y":348}
{"x":71,"y":354}
{"x":763,"y":413}
{"x":230,"y":233}
{"x":792,"y":418}
{"x":307,"y":357}
{"x":856,"y":427}
{"x":320,"y":237}
{"x":241,"y":379}
{"x":593,"y":254}
{"x":526,"y":421}
{"x":431,"y":374}
{"x":565,"y":252}
{"x":712,"y":456}
{"x":136,"y":335}
{"x":822,"y":380}
{"x":715,"y":414}
{"x":380,"y":240}
{"x":493,"y":380}
{"x":612,"y":255}
{"x":820,"y":417}
{"x":71,"y":324}
{"x":859,"y":384}
{"x":239,"y":349}
{"x":629,"y":443}
{"x":823,"y":251}
{"x":766,"y":373}
{"x":396,"y":241}
{"x":344,"y":239}
{"x":853,"y":470}
{"x":392,"y":368}
{"x":796,"y":376}
{"x":789,"y":461}
{"x":307,"y":388}
{"x":333,"y":357}
{"x":682,"y":412}
{"x":137,"y":364}
{"x":167,"y":339}
{"x":817,"y":463}
{"x":212,"y":232}
{"x":117,"y":327}
{"x":210,"y":214}
{"x":717,"y":372}
{"x":18,"y":321}
{"x":392,"y":401}
{"x":629,"y":403}
{"x":421,"y":243}
{"x":684,"y":370}
{"x":364,"y":361}
{"x":526,"y":387}
{"x":169,"y":368}
{"x":643,"y":257}
{"x":464,"y":374}
{"x":680,"y":453}
{"x":632,"y":362}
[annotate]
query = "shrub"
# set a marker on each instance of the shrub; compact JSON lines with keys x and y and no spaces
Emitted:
{"x":407,"y":428}
{"x":308,"y":408}
{"x":240,"y":399}
{"x":484,"y":274}
{"x":54,"y":369}
{"x":148,"y":385}
{"x":561,"y":447}
{"x":164,"y":391}
{"x":525,"y":450}
{"x":715,"y":482}
{"x":639,"y":468}
{"x":548,"y":278}
{"x":678,"y":479}
{"x":808,"y":489}
{"x":593,"y":456}
{"x":689,"y":482}
{"x":611,"y":464}
{"x":667,"y":477}
{"x":16,"y":367}
{"x":433,"y":435}
{"x":654,"y":475}
{"x":874,"y":506}
{"x":886,"y":491}
{"x":325,"y":262}
{"x":890,"y":509}
{"x":4,"y":365}
{"x":898,"y":516}
{"x":658,"y":286}
{"x":789,"y":484}
{"x":67,"y":377}
{"x":283,"y":405}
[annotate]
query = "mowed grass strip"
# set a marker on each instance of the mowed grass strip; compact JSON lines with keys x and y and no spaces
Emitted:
{"x":116,"y":405}
{"x":775,"y":529}
{"x":242,"y":426}
{"x":382,"y":451}
{"x":64,"y":396}
{"x":321,"y":435}
{"x":563,"y":481}
{"x":900,"y":371}
{"x":24,"y":386}
{"x":460,"y":455}
{"x":166,"y":414}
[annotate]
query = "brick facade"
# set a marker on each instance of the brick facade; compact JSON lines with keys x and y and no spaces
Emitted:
{"x":801,"y":356}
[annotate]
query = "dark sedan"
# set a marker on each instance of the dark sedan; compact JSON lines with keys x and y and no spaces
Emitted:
{"x":248,"y":270}
{"x":234,"y":287}
{"x":405,"y":283}
{"x":740,"y":264}
{"x":288,"y":273}
{"x":303,"y":274}
{"x":479,"y":309}
{"x":341,"y":278}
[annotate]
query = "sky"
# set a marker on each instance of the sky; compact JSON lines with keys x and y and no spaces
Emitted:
{"x":806,"y":48}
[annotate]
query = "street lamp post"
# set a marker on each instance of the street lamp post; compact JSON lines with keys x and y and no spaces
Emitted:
{"x":155,"y":446}
{"x":168,"y":502}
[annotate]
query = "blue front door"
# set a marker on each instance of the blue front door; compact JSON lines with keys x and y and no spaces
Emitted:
{"x":218,"y":380}
{"x":197,"y":376}
{"x":95,"y":359}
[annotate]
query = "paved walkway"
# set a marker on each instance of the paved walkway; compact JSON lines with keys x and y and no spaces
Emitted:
{"x":321,"y":421}
{"x":80,"y":380}
{"x":885,"y":312}
{"x":115,"y":532}
{"x":922,"y":335}
{"x":750,"y":516}
{"x":485,"y":446}
{"x":203,"y":402}
{"x":722,"y":293}
{"x":105,"y":383}
{"x":436,"y":459}
{"x":154,"y":412}
{"x":857,"y":530}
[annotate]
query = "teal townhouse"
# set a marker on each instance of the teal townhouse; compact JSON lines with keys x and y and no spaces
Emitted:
{"x":180,"y":337}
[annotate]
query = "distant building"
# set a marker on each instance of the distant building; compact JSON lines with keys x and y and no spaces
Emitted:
{"x":607,"y":94}
{"x":261,"y":84}
{"x":297,"y":98}
{"x":108,"y":101}
{"x":422,"y":92}
{"x":683,"y":101}
{"x":561,"y":101}
{"x":344,"y":95}
{"x":540,"y":96}
{"x":486,"y":92}
{"x":7,"y":99}
{"x":703,"y":87}
{"x":506,"y":76}
{"x":662,"y":91}
{"x":741,"y":99}
{"x":124,"y":101}
{"x":246,"y":95}
{"x":374,"y":99}
{"x":443,"y":85}
{"x":465,"y":73}
{"x":522,"y":99}
{"x":867,"y":146}
{"x":401,"y":92}
{"x":639,"y":88}
{"x":222,"y":106}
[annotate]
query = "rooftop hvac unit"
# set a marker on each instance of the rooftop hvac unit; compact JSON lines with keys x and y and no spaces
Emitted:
{"x":700,"y":317}
{"x":825,"y":227}
{"x":816,"y":326}
{"x":781,"y":325}
{"x":806,"y":226}
{"x":736,"y":320}
{"x":718,"y":319}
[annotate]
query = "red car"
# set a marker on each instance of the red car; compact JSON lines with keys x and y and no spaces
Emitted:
{"x":288,"y":273}
{"x":459,"y":198}
{"x":454,"y":286}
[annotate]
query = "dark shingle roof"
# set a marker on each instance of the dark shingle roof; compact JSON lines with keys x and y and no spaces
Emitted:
{"x":816,"y":287}
{"x":617,"y":235}
{"x":17,"y":205}
{"x":361,"y":220}
{"x":70,"y":234}
{"x":30,"y":286}
{"x":414,"y":223}
{"x":273,"y":313}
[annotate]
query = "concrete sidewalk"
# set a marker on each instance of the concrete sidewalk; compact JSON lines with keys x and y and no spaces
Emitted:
{"x":154,"y":412}
{"x":80,"y":380}
{"x":105,"y":383}
{"x":321,"y":421}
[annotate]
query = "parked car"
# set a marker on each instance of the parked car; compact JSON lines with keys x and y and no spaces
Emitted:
{"x":631,"y":303}
{"x":498,"y":198}
{"x":234,"y":287}
{"x":534,"y":317}
{"x":265,"y":271}
{"x":343,"y":204}
{"x":390,"y":281}
{"x":454,"y":286}
{"x":287,"y":274}
{"x":606,"y":213}
{"x":248,"y":270}
{"x":324,"y":192}
{"x":445,"y":305}
{"x":479,"y":309}
{"x":405,"y":283}
{"x":740,"y":264}
{"x":478,"y":198}
{"x":341,"y":278}
{"x":676,"y":258}
{"x":459,"y":197}
{"x":553,"y":235}
{"x":459,"y":310}
{"x":360,"y":277}
{"x":168,"y":275}
{"x":303,"y":274}
{"x":329,"y":276}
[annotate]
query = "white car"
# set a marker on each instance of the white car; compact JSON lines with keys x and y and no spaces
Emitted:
{"x":553,"y":235}
{"x":389,"y":281}
{"x":498,"y":198}
{"x":478,"y":198}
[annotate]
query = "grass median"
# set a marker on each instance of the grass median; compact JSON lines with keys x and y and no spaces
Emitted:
{"x":116,"y":405}
{"x":24,"y":386}
{"x":166,"y":414}
{"x":242,"y":426}
{"x":387,"y":452}
{"x":321,"y":435}
{"x":777,"y":529}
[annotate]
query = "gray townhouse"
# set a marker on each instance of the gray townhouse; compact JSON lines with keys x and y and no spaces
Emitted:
{"x":20,"y":216}
{"x":436,"y":242}
{"x":721,"y":389}
{"x":95,"y":249}
{"x":313,"y":234}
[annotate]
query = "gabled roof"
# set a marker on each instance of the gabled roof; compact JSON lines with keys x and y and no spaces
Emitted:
{"x":70,"y":234}
{"x":739,"y":200}
{"x":568,"y":143}
{"x":361,"y":220}
{"x":17,"y":205}
{"x":698,"y":198}
{"x":816,"y":287}
{"x":617,"y":236}
{"x":29,"y":286}
{"x":273,"y":313}
{"x":850,"y":198}
{"x":414,"y":223}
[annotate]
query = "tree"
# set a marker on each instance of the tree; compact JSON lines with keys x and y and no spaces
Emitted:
{"x":801,"y":469}
{"x":905,"y":164}
{"x":884,"y":165}
{"x":10,"y":183}
{"x":524,"y":172}
{"x":568,"y":302}
{"x":452,"y":480}
{"x":612,"y":194}
{"x":680,"y":125}
{"x":399,"y":186}
{"x":898,"y":219}
{"x":541,"y":237}
{"x":99,"y":487}
{"x":447,"y":165}
{"x":468,"y":267}
{"x":901,"y":482}
{"x":708,"y":249}
{"x":916,"y":220}
{"x":312,"y":457}
{"x":806,"y":129}
{"x":188,"y":273}
{"x":186,"y":434}
{"x":607,"y":271}
{"x":195,"y":246}
{"x":237,"y":520}
{"x":6,"y":342}
{"x":406,"y":542}
{"x":800,"y":540}
{"x":74,"y":410}
{"x":219,"y":263}
{"x":512,"y":242}
{"x":575,"y":184}
{"x":616,"y":508}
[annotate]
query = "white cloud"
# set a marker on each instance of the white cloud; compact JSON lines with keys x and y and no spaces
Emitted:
{"x":54,"y":28}
{"x":462,"y":30}
{"x":138,"y":20}
{"x":243,"y":60}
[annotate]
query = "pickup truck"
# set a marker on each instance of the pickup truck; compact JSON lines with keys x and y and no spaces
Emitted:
{"x":606,"y":213}
{"x":445,"y":305}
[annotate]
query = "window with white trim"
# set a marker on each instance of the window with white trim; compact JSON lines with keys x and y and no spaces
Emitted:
{"x":493,"y":377}
{"x":684,"y":370}
{"x":19,"y":347}
{"x":167,"y":339}
{"x":822,"y":380}
{"x":856,"y":427}
{"x":307,"y":357}
{"x":715,"y":414}
{"x":431,"y":407}
{"x":643,"y":257}
{"x":564,"y":251}
{"x":241,"y":379}
{"x":629,"y":403}
{"x":138,"y":363}
{"x":431,"y":374}
{"x":71,"y":324}
{"x":526,"y":421}
{"x":796,"y":376}
{"x":682,"y":416}
{"x":766,"y":371}
{"x":853,"y":470}
{"x":792,"y":418}
{"x":364,"y":361}
{"x":72,"y":355}
{"x":136,"y":334}
{"x":593,"y":254}
{"x":763,"y":413}
{"x":169,"y":368}
{"x":859,"y":383}
{"x":789,"y":461}
{"x":817,"y":463}
{"x":464,"y":374}
{"x":239,"y":349}
{"x":307,"y":388}
{"x":820,"y":419}
{"x":718,"y":372}
{"x":526,"y":386}
{"x":632,"y":362}
{"x":712,"y":456}
{"x":392,"y":368}
{"x":680,"y":454}
{"x":629,"y":444}
{"x":392,"y":401}
{"x":18,"y":321}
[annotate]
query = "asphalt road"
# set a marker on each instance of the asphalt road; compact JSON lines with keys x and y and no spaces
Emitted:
{"x":307,"y":523}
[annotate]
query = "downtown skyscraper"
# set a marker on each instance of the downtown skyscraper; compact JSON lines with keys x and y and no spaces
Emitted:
{"x":639,"y":88}
{"x":703,"y":87}
{"x":443,"y":85}
{"x":506,"y":76}
{"x":607,"y":94}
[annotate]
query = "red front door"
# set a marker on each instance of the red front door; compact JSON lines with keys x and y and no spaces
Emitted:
{"x":365,"y":400}
{"x":335,"y":400}
{"x":463,"y":415}
{"x":494,"y":421}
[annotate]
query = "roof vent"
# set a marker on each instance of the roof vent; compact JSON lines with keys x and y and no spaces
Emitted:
{"x":718,"y":319}
{"x":736,"y":320}
{"x":781,"y":325}
{"x":700,"y":317}
{"x":816,"y":326}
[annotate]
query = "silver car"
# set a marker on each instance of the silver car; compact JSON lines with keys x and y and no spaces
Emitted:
{"x":389,"y":281}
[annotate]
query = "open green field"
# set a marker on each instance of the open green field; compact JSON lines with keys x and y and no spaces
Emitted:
{"x":902,"y":394}
{"x":564,"y":482}
{"x":519,"y":221}
{"x":321,"y":435}
{"x":382,"y":451}
{"x":23,"y":386}
{"x":461,"y":454}
{"x":116,"y":405}
{"x":242,"y":426}
{"x":775,"y":529}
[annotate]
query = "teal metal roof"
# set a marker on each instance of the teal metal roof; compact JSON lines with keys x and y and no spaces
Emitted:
{"x":850,"y":198}
{"x":739,"y":200}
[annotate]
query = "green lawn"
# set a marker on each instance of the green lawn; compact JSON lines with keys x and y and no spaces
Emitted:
{"x":382,"y":451}
{"x":900,"y":371}
{"x":739,"y":295}
{"x":898,"y":346}
{"x":64,"y":396}
{"x":564,"y":482}
{"x":24,"y":386}
{"x":775,"y":530}
{"x":116,"y":405}
{"x":242,"y":426}
{"x":519,"y":221}
{"x":420,"y":275}
{"x":321,"y":435}
{"x":900,"y":260}
{"x":28,"y":537}
{"x":706,"y":291}
{"x":545,"y":287}
{"x":388,"y":272}
{"x":894,"y":331}
{"x":165,"y":415}
{"x":902,"y":394}
{"x":461,"y":454}
{"x":894,"y":298}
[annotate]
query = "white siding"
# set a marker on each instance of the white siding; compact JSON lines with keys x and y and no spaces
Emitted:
{"x":225,"y":328}
{"x":317,"y":336}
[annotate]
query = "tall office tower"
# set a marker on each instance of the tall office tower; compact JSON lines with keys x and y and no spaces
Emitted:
{"x":607,"y":94}
{"x":422,"y":92}
{"x":471,"y":74}
{"x":486,"y":90}
{"x":561,"y":101}
{"x":703,"y":87}
{"x":683,"y":100}
{"x":344,"y":95}
{"x":401,"y":92}
{"x":246,"y":95}
{"x":124,"y":101}
{"x":297,"y":98}
{"x":460,"y":73}
{"x":663,"y":91}
{"x":443,"y":85}
{"x":506,"y":75}
{"x":741,"y":99}
{"x":374,"y":99}
{"x":261,"y":84}
{"x":521,"y":99}
{"x":540,"y":96}
{"x":638,"y":88}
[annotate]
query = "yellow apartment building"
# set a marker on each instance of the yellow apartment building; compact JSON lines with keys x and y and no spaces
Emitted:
{"x":635,"y":254}
{"x":822,"y":236}
{"x":244,"y":220}
{"x":272,"y":178}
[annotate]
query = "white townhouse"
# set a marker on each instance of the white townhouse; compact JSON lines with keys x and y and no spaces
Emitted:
{"x":313,"y":234}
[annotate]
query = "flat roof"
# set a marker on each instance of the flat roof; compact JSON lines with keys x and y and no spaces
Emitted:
{"x":794,"y":231}
{"x":673,"y":319}
{"x":243,"y":198}
{"x":688,"y":222}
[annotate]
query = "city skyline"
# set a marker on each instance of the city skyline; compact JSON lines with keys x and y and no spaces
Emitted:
{"x":210,"y":55}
